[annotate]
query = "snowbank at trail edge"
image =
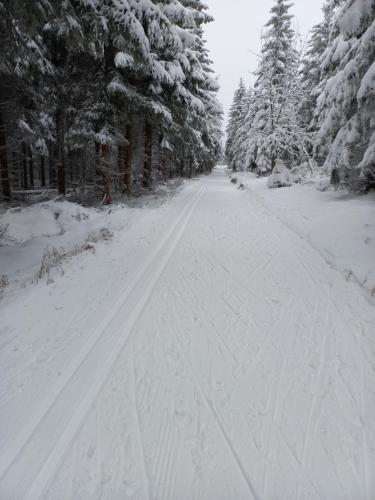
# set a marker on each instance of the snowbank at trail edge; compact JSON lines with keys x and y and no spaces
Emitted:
{"x":338,"y":224}
{"x":26,"y":233}
{"x":44,"y":219}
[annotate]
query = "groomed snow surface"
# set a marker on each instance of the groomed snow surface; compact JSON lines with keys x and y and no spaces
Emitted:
{"x":209,"y":351}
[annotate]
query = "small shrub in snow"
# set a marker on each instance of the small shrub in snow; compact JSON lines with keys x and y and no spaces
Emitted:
{"x":280,"y":177}
{"x":302,"y":173}
{"x":324,"y":185}
{"x":349,"y":178}
{"x":102,"y":234}
{"x":4,"y":281}
{"x":81,"y":216}
{"x":3,"y":230}
{"x":54,"y":257}
{"x":56,"y":214}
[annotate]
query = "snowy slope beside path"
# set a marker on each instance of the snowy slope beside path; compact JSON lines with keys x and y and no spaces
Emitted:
{"x":340,"y":225}
{"x":28,"y":233}
{"x":209,"y":353}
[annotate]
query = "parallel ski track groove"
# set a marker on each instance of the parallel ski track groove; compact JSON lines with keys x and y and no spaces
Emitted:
{"x":160,"y":446}
{"x":162,"y":255}
{"x":166,"y":479}
{"x":138,"y":427}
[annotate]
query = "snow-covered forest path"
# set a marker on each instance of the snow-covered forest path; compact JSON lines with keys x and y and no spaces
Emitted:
{"x":232,"y":363}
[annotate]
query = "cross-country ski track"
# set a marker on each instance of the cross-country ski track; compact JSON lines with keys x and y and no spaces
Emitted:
{"x":228,"y":362}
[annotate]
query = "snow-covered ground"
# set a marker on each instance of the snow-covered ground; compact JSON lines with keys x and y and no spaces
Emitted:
{"x":208,"y":351}
{"x":338,"y":224}
{"x":27,"y":234}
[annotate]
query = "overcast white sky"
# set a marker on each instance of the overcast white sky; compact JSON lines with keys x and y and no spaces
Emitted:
{"x":237,"y":28}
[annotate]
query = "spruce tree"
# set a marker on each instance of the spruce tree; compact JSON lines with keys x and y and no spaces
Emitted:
{"x":235,"y":117}
{"x":311,"y":71}
{"x":347,"y":103}
{"x":245,"y":118}
{"x":275,"y":130}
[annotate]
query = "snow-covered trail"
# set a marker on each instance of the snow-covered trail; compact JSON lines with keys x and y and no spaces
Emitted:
{"x":233,"y":363}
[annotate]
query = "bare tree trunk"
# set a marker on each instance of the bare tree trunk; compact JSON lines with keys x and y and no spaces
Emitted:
{"x":104,"y":160}
{"x":51,"y":167}
{"x":120,"y":168}
{"x":190,"y":167}
{"x":31,"y":168}
{"x":162,"y":161}
{"x":98,"y":165}
{"x":147,"y":168}
{"x":97,"y":158}
{"x":72,"y":162}
{"x":60,"y":146}
{"x":83,"y":169}
{"x":128,"y":159}
{"x":15,"y":171}
{"x":42,"y":171}
{"x":24,"y":166}
{"x":182,"y":163}
{"x":4,"y":168}
{"x":163,"y":166}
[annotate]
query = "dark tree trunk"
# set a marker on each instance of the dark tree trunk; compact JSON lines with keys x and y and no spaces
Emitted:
{"x":120,"y":167}
{"x":15,"y":171}
{"x":147,"y":168}
{"x":128,"y":159}
{"x":24,"y":166}
{"x":183,"y":163}
{"x":162,"y":161}
{"x":51,"y":166}
{"x":163,"y":165}
{"x":61,"y":174}
{"x":190,"y":167}
{"x":60,"y":149}
{"x":83,"y":170}
{"x":98,"y":169}
{"x":97,"y":157}
{"x":42,"y":171}
{"x":106,"y":186}
{"x":4,"y":167}
{"x":273,"y":161}
{"x":31,"y":168}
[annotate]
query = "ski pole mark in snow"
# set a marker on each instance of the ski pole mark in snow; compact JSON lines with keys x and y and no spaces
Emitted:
{"x":272,"y":428}
{"x":219,"y":424}
{"x":268,"y":336}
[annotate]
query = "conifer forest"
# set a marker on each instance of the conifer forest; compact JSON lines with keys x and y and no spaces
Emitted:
{"x":116,"y":95}
{"x":312,"y":101}
{"x":187,"y":250}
